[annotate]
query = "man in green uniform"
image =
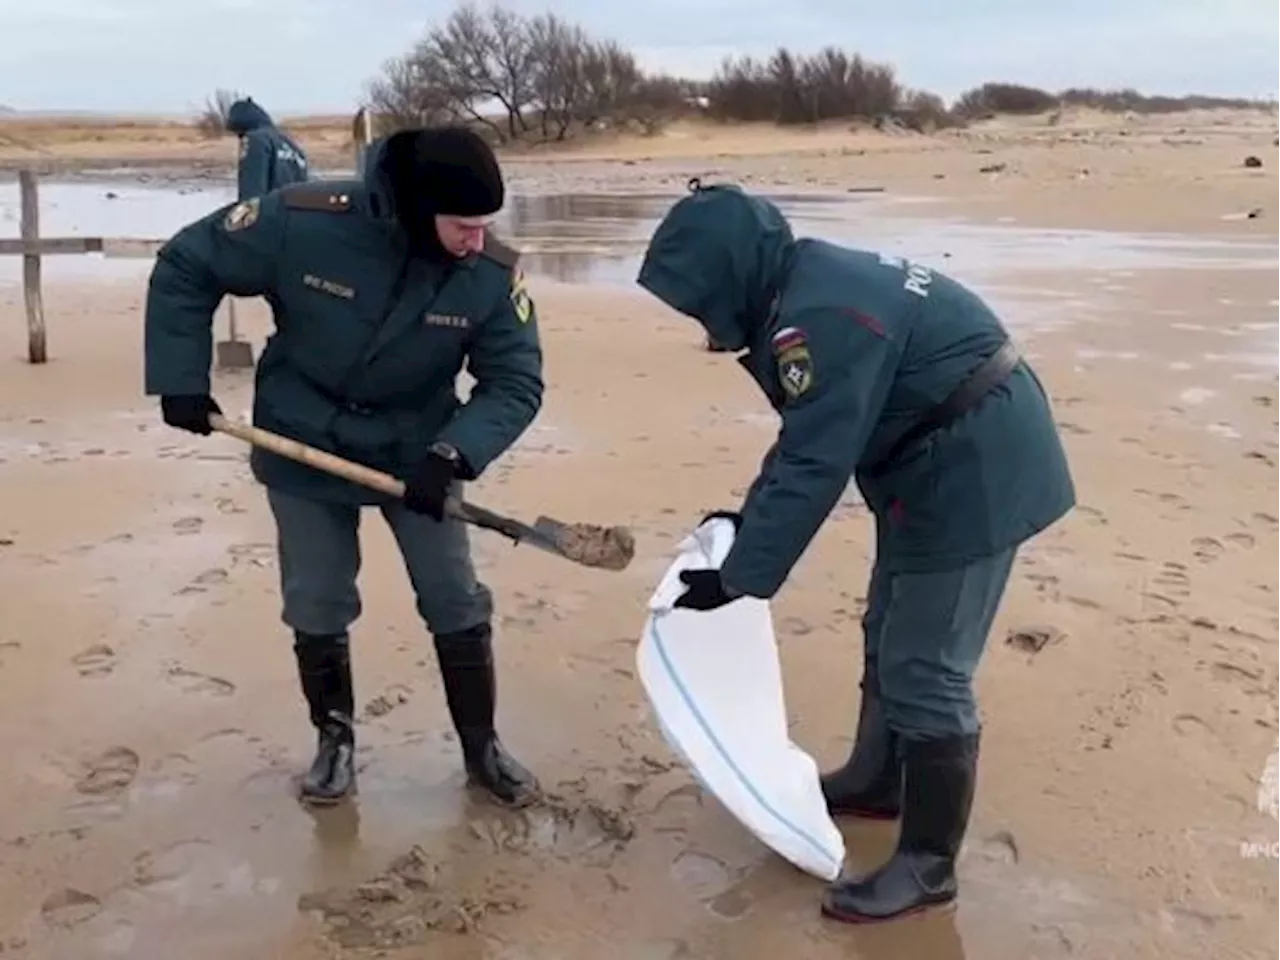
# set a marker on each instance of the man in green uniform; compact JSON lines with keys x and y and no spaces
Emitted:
{"x":381,"y":290}
{"x":897,"y":377}
{"x":269,"y":157}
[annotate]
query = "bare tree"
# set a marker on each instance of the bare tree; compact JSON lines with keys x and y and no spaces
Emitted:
{"x":476,"y":61}
{"x":211,"y":122}
{"x":407,"y":96}
{"x":796,"y":89}
{"x":559,"y":73}
{"x":515,"y":76}
{"x":792,"y":91}
{"x":612,"y":82}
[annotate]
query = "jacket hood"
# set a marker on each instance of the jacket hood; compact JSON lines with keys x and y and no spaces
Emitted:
{"x":718,"y":256}
{"x":245,"y":115}
{"x":376,"y":175}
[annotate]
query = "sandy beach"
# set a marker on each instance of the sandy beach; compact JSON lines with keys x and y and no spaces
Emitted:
{"x":155,"y":725}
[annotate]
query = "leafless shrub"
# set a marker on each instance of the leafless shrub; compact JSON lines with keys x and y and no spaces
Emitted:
{"x":1128,"y":100}
{"x":211,"y":122}
{"x":519,"y":78}
{"x":996,"y":98}
{"x":791,"y":88}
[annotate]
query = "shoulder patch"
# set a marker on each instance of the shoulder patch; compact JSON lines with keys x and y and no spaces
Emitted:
{"x":314,"y":196}
{"x":793,"y":361}
{"x":499,"y":252}
{"x":521,"y":302}
{"x":787,"y":337}
{"x":242,"y":216}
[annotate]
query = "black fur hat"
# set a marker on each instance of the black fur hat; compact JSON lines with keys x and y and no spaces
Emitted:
{"x":448,"y":170}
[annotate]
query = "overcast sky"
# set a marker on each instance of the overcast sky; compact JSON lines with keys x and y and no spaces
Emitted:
{"x":316,"y":55}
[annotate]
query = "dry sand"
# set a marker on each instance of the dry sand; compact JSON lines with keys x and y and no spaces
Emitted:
{"x":155,"y":727}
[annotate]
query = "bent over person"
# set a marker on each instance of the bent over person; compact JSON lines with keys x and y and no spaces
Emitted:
{"x":381,"y":290}
{"x":269,"y":157}
{"x":899,"y":378}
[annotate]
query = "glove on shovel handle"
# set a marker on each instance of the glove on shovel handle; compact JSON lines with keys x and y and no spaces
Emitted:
{"x":611,"y":548}
{"x":323,"y":460}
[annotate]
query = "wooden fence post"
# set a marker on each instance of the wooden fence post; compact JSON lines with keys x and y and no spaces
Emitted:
{"x":361,"y":137}
{"x":32,"y":247}
{"x":29,"y":229}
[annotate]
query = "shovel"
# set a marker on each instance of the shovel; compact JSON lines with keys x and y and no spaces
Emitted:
{"x":234,"y":354}
{"x":610,"y":548}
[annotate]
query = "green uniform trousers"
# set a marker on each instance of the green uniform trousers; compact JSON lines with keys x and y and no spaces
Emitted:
{"x":319,"y":553}
{"x":925,"y":634}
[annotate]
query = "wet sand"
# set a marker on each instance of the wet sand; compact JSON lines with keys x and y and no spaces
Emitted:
{"x":150,"y":695}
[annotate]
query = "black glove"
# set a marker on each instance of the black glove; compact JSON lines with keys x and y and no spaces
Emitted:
{"x":706,"y":591}
{"x":189,"y":412}
{"x":428,"y":487}
{"x":731,"y":515}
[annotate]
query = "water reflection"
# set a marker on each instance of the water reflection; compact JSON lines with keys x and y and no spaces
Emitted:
{"x":599,"y":237}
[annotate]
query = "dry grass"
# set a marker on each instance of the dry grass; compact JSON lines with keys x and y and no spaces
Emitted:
{"x":71,"y":142}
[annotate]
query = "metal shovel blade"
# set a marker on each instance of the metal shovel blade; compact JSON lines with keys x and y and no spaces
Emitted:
{"x":543,"y":534}
{"x":234,"y":354}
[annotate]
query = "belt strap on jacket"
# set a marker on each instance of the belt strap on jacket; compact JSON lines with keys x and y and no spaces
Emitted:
{"x":990,"y":374}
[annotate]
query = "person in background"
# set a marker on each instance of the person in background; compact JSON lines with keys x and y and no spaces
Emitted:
{"x":894,"y":376}
{"x":269,"y":157}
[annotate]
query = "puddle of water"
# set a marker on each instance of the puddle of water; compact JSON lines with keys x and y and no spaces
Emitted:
{"x":598,"y":238}
{"x":101,"y":209}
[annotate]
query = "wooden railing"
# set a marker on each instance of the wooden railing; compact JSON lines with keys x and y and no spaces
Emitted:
{"x":32,"y":247}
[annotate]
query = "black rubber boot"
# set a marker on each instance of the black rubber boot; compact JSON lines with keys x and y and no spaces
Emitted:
{"x":466,"y":667}
{"x":324,"y":667}
{"x":937,"y":798}
{"x":870,"y":782}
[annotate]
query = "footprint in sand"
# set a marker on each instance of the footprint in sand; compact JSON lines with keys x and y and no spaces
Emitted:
{"x":69,"y":907}
{"x":702,"y":874}
{"x":1044,"y":582}
{"x":1173,"y":579}
{"x":1000,"y":847}
{"x":1267,"y":519}
{"x":385,"y":702}
{"x":1207,"y":549}
{"x":95,"y":661}
{"x":1226,"y":672}
{"x":1095,"y":515}
{"x":201,"y":584}
{"x":1243,"y":540}
{"x":1157,"y":603}
{"x":169,"y":866}
{"x":189,"y":681}
{"x":8,"y":645}
{"x":188,"y":525}
{"x":1189,"y":725}
{"x":1185,"y":919}
{"x":252,"y":554}
{"x":109,"y":773}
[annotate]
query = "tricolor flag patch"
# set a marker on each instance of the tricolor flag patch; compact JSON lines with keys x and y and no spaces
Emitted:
{"x":786,"y":338}
{"x":792,"y":361}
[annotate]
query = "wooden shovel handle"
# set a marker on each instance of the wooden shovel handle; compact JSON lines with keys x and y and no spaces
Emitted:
{"x":320,"y":459}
